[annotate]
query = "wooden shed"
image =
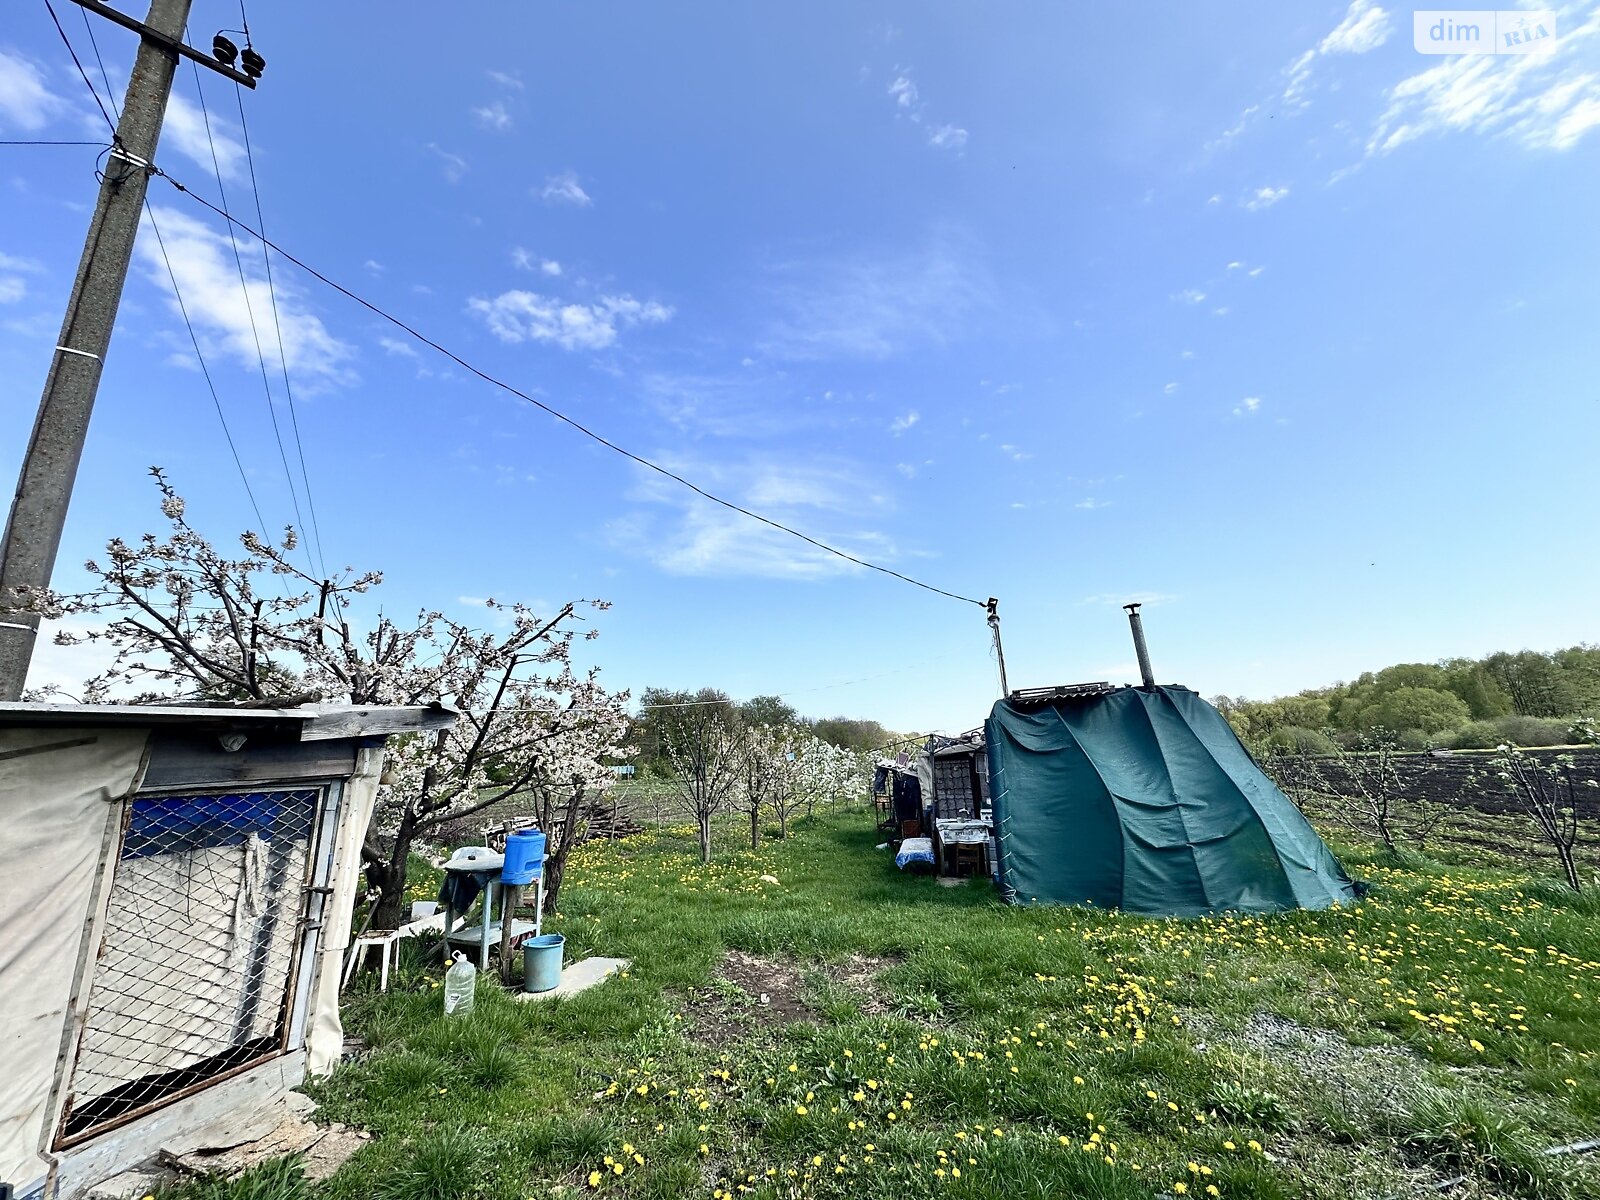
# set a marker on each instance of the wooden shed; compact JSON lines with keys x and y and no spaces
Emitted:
{"x":176,"y":886}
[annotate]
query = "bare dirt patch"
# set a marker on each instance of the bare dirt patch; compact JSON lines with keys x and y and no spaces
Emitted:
{"x":751,"y":992}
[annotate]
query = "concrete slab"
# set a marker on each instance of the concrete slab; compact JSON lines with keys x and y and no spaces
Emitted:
{"x":580,"y":977}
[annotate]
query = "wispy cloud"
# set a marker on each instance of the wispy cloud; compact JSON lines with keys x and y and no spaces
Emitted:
{"x":505,"y":80}
{"x":1264,"y":197}
{"x":908,"y":104}
{"x":1247,"y":407}
{"x":518,"y":316}
{"x":1365,"y":26}
{"x":861,"y":306}
{"x":13,"y":287}
{"x":684,"y":534}
{"x":904,"y":93}
{"x":222,"y":310}
{"x":184,"y":130}
{"x":526,"y":260}
{"x":453,"y":165}
{"x":1090,"y":502}
{"x":900,"y":424}
{"x":565,"y":189}
{"x":495,"y":116}
{"x":397,"y":348}
{"x":1189,"y":296}
{"x":27,"y":103}
{"x":1544,"y":101}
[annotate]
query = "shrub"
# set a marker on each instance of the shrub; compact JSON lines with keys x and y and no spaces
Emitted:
{"x":1532,"y":731}
{"x":1296,"y":739}
{"x":1477,"y":735}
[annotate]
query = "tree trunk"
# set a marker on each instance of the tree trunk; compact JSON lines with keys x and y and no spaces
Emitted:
{"x":555,"y":867}
{"x":705,"y":836}
{"x":386,"y":871}
{"x":755,"y":827}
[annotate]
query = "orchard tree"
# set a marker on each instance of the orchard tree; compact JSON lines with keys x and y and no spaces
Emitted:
{"x":184,"y":620}
{"x":705,"y":753}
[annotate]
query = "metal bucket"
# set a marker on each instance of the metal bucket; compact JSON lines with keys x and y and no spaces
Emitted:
{"x":541,"y":962}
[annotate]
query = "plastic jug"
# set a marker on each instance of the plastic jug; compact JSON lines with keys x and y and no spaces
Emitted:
{"x":460,"y":981}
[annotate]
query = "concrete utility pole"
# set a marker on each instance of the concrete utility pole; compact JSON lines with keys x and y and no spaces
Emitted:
{"x":39,"y":511}
{"x":993,"y":609}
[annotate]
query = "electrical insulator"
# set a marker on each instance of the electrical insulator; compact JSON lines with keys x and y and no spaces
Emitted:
{"x":252,"y":63}
{"x":223,"y":50}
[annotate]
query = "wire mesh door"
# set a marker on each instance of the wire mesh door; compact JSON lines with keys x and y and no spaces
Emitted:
{"x":196,"y":969}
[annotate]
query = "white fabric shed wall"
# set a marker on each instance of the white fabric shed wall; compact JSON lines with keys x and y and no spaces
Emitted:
{"x":58,"y":788}
{"x":325,"y":1042}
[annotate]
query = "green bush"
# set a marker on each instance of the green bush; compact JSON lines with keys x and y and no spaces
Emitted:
{"x":1532,"y":731}
{"x":1476,"y":735}
{"x":1296,"y":739}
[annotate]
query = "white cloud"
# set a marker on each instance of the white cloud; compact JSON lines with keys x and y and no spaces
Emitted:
{"x":184,"y":130}
{"x":906,"y":469}
{"x":1249,"y":406}
{"x":453,"y":165}
{"x":1265,"y":197}
{"x":1365,"y":27}
{"x":1544,"y":101}
{"x":1214,"y":199}
{"x":397,"y":348}
{"x":27,"y":104}
{"x":904,"y":92}
{"x":859,"y":306}
{"x":519,"y":316}
{"x":1089,"y":502}
{"x":1235,"y":266}
{"x":948,"y":137}
{"x":525,"y":260}
{"x":1189,"y":296}
{"x":565,"y":189}
{"x":374,"y":266}
{"x":1170,"y":388}
{"x":1254,"y":271}
{"x":685,"y":534}
{"x":494,"y":116}
{"x":506,"y":80}
{"x":222,"y":310}
{"x":900,"y":424}
{"x":13,"y":287}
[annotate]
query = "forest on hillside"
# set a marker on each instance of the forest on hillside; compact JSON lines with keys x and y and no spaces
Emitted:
{"x":1526,"y":698}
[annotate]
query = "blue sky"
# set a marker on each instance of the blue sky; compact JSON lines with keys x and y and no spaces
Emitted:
{"x":1249,"y":311}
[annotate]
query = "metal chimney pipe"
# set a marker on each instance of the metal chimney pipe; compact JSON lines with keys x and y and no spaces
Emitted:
{"x":1139,"y":647}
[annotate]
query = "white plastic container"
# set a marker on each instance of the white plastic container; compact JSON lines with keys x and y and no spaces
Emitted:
{"x":460,"y":981}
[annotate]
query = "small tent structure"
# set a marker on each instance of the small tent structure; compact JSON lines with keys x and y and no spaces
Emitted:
{"x":1144,"y":799}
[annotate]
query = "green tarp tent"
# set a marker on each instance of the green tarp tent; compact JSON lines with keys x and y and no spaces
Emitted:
{"x":1145,"y":800}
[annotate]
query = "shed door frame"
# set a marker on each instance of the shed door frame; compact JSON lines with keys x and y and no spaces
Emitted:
{"x":309,"y":915}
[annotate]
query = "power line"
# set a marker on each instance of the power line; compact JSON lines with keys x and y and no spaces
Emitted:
{"x":94,"y":44}
{"x":250,"y":312}
{"x":110,"y":124}
{"x":557,"y":414}
{"x":277,"y":326}
{"x":42,"y":142}
{"x":204,"y":370}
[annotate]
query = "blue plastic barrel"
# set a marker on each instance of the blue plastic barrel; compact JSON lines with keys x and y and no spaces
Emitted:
{"x":541,"y":962}
{"x":524,"y":857}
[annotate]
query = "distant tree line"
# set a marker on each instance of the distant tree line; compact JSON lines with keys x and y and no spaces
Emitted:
{"x":659,"y":709}
{"x":1526,"y":698}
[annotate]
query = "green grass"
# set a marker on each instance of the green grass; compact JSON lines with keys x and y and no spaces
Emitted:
{"x":1039,"y":1052}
